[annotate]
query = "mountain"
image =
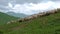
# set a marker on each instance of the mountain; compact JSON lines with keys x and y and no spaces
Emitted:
{"x":49,"y":24}
{"x":20,"y":15}
{"x":4,"y":18}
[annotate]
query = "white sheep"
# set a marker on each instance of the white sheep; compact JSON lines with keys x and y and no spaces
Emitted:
{"x":8,"y":22}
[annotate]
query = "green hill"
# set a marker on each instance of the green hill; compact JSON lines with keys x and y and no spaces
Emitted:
{"x":4,"y":18}
{"x":42,"y":25}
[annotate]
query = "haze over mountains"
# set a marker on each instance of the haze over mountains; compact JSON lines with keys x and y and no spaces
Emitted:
{"x":19,"y":15}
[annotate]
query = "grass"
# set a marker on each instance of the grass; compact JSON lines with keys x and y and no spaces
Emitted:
{"x":41,"y":25}
{"x":4,"y":18}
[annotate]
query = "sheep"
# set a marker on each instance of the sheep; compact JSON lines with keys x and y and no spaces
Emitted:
{"x":56,"y":10}
{"x":8,"y":22}
{"x":53,"y":11}
{"x":40,"y":14}
{"x":46,"y":13}
{"x":34,"y":16}
{"x":20,"y":20}
{"x":11,"y":22}
{"x":30,"y":17}
{"x":26,"y":19}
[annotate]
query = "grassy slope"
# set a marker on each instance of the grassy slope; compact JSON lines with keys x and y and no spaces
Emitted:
{"x":4,"y":18}
{"x":42,"y":25}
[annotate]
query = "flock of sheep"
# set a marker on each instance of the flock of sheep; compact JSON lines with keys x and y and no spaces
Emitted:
{"x":35,"y":16}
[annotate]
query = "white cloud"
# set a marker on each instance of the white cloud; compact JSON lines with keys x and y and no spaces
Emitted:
{"x":30,"y":8}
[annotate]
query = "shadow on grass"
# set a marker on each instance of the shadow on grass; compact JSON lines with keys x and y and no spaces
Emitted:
{"x":1,"y":32}
{"x":57,"y":31}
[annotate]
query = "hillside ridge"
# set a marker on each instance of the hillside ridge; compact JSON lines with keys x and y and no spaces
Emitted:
{"x":46,"y":24}
{"x":4,"y":18}
{"x":34,"y":16}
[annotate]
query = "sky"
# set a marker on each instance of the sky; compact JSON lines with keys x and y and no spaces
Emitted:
{"x":28,"y":7}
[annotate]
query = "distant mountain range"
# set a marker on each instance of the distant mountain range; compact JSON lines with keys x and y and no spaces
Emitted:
{"x":11,"y":13}
{"x":20,"y":15}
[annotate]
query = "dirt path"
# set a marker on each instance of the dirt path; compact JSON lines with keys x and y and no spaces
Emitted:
{"x":18,"y":27}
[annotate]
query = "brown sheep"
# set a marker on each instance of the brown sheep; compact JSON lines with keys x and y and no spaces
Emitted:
{"x":53,"y":11}
{"x":26,"y":19}
{"x":30,"y":17}
{"x":20,"y":20}
{"x":40,"y":14}
{"x":56,"y":10}
{"x":46,"y":13}
{"x":34,"y":16}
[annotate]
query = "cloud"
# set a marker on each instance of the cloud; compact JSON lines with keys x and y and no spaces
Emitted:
{"x":4,"y":2}
{"x":32,"y":8}
{"x":28,"y":7}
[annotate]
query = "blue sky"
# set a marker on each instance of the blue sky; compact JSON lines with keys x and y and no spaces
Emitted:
{"x":28,"y":7}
